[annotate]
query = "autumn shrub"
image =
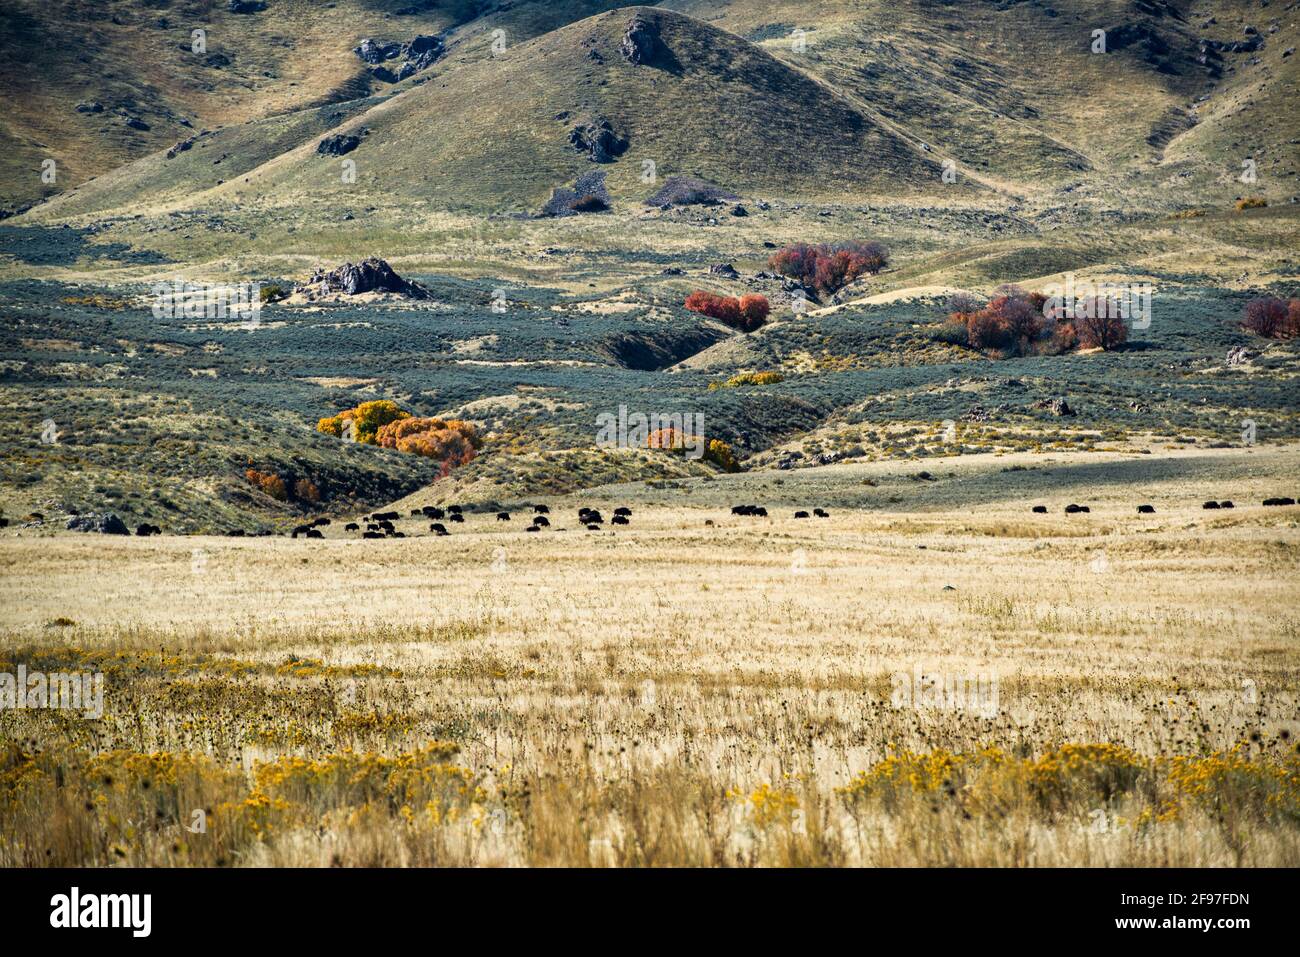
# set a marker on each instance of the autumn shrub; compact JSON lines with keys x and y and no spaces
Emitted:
{"x":716,"y":452}
{"x":1100,"y":325}
{"x":746,"y":314}
{"x":367,"y":419}
{"x":748,"y":378}
{"x":305,"y":490}
{"x":828,"y":267}
{"x":269,"y":483}
{"x":450,"y":442}
{"x":1272,"y":318}
{"x":1251,"y":202}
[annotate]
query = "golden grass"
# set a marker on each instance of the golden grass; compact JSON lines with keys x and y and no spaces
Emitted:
{"x":673,"y":694}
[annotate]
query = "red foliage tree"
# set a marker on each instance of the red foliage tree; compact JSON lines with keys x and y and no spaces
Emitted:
{"x":745,"y":314}
{"x":826,"y":267}
{"x":1270,"y":317}
{"x":1100,"y":325}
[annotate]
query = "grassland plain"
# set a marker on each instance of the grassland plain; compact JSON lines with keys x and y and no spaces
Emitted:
{"x":682,"y":693}
{"x":932,"y":675}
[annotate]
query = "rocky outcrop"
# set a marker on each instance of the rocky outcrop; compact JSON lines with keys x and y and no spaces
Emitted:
{"x":338,"y":145}
{"x":598,"y":140}
{"x":416,"y":55}
{"x":640,"y":42}
{"x":371,"y":275}
{"x":106,"y":524}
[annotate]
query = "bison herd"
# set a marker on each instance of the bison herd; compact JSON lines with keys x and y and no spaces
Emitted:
{"x":379,"y":525}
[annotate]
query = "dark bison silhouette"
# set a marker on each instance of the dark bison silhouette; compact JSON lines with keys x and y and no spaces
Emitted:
{"x":372,"y":535}
{"x":311,"y":533}
{"x":802,"y":515}
{"x":593,"y":528}
{"x":438,"y":527}
{"x":623,"y":510}
{"x":1279,"y":501}
{"x":455,"y":517}
{"x":386,"y":516}
{"x":503,"y":516}
{"x":589,"y":516}
{"x":542,"y":521}
{"x":1226,"y":504}
{"x":1211,"y":504}
{"x":541,"y":510}
{"x":432,"y":511}
{"x":621,"y":520}
{"x":532,"y":528}
{"x":351,"y":527}
{"x":1040,"y":509}
{"x":1073,"y":509}
{"x":821,"y":513}
{"x":301,"y":530}
{"x":145,"y":529}
{"x":454,"y":508}
{"x":1146,"y":509}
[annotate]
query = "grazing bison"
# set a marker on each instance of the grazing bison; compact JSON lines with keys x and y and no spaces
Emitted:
{"x":760,"y":511}
{"x":541,"y":510}
{"x":542,"y":521}
{"x":321,"y":521}
{"x":742,"y":510}
{"x":802,"y":515}
{"x":1279,"y":501}
{"x":351,"y":527}
{"x":1146,"y":509}
{"x":399,"y":534}
{"x":821,"y":513}
{"x":435,"y":513}
{"x":1226,"y":504}
{"x":503,"y":516}
{"x":311,"y":533}
{"x":708,"y":523}
{"x":623,"y":510}
{"x":386,"y":516}
{"x":372,"y":535}
{"x":416,"y":512}
{"x":1040,"y":509}
{"x":144,"y":530}
{"x":372,"y":527}
{"x":387,"y":526}
{"x":532,"y":528}
{"x":593,"y":528}
{"x":621,"y":520}
{"x":455,"y":517}
{"x":301,"y":530}
{"x":454,"y":509}
{"x":1071,"y":509}
{"x":438,"y":527}
{"x":1210,"y":504}
{"x":589,"y":516}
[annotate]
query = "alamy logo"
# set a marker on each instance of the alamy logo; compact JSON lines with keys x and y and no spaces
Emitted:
{"x":920,"y":690}
{"x":70,"y":691}
{"x":134,"y":911}
{"x":635,"y":431}
{"x":196,"y":300}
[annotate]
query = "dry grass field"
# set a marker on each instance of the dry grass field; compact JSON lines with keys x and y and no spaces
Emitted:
{"x":1112,"y":689}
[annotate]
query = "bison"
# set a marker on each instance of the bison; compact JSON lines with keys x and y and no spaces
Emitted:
{"x":311,"y":533}
{"x":802,"y":515}
{"x":542,"y":521}
{"x":351,"y":527}
{"x":1210,"y":504}
{"x":821,"y":513}
{"x":1040,"y":509}
{"x":623,"y":510}
{"x":541,"y":510}
{"x":455,"y":517}
{"x":621,"y":520}
{"x":1146,"y":509}
{"x":532,"y":528}
{"x":1226,"y":504}
{"x":503,"y":516}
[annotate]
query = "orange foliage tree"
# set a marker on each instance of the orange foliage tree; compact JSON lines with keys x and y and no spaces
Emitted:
{"x":451,"y":442}
{"x":745,"y":314}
